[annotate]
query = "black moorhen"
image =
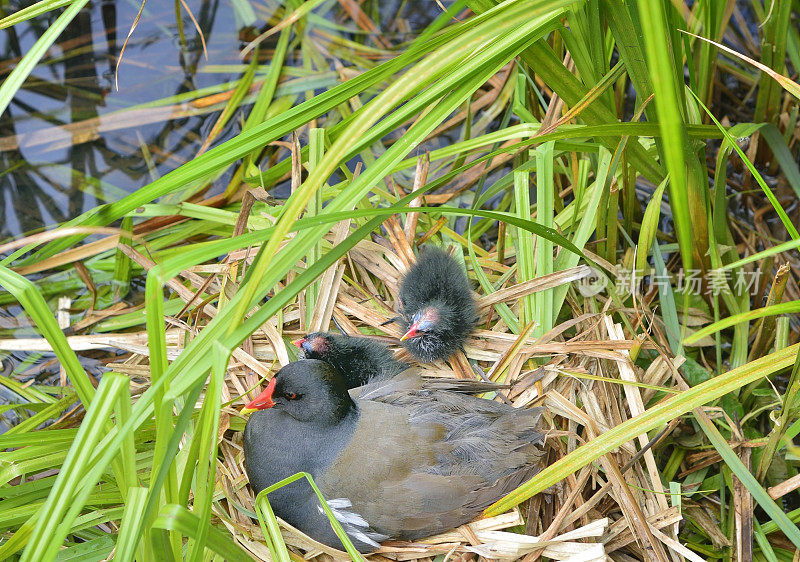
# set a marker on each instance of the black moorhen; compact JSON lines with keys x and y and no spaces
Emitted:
{"x":437,"y":304}
{"x":362,"y":361}
{"x":397,"y":462}
{"x":358,"y":360}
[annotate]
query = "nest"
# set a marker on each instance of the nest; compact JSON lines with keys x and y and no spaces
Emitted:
{"x":615,"y":507}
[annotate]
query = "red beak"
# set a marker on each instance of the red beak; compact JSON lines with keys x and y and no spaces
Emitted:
{"x":263,"y":400}
{"x":412,"y":332}
{"x":299,"y":343}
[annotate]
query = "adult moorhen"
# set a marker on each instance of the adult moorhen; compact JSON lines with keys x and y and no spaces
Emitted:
{"x":436,"y":302}
{"x":397,"y":462}
{"x":362,"y":361}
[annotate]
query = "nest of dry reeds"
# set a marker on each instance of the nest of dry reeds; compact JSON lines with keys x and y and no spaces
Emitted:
{"x":614,"y":506}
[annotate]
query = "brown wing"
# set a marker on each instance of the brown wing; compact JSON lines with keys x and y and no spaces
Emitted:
{"x":485,"y":438}
{"x":411,"y":470}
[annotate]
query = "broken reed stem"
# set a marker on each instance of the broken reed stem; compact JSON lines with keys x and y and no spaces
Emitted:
{"x":420,"y":179}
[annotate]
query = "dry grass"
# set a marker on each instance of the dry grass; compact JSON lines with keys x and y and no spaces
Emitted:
{"x":617,"y":505}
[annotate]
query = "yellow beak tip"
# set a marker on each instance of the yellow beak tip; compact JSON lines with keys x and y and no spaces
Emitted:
{"x":245,"y":411}
{"x":404,"y":337}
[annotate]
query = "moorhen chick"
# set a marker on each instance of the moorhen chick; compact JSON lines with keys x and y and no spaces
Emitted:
{"x":362,"y":361}
{"x":396,"y":462}
{"x":437,"y":304}
{"x":358,"y":360}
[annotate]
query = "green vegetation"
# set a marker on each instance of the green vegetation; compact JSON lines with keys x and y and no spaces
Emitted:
{"x":569,"y":150}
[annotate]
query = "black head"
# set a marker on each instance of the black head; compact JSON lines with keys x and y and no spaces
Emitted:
{"x":435,"y":318}
{"x":316,"y":345}
{"x":436,"y":331}
{"x":307,"y":390}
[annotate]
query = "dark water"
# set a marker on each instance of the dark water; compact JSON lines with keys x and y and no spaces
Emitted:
{"x":64,"y":145}
{"x":50,"y":178}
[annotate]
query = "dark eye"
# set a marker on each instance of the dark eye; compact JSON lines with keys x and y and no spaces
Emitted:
{"x":291,"y":395}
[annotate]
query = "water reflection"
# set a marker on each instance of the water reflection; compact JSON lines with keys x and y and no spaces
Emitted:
{"x":70,"y":140}
{"x":63,"y":151}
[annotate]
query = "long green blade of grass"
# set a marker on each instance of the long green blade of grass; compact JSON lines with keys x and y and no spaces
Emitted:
{"x":53,"y":523}
{"x":670,"y":120}
{"x":269,"y":522}
{"x":730,"y":457}
{"x":37,"y":9}
{"x":177,"y":518}
{"x":35,"y":305}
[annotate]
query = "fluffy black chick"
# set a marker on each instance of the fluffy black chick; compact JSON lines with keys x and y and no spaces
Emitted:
{"x":362,"y":361}
{"x":358,"y":360}
{"x":437,"y":305}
